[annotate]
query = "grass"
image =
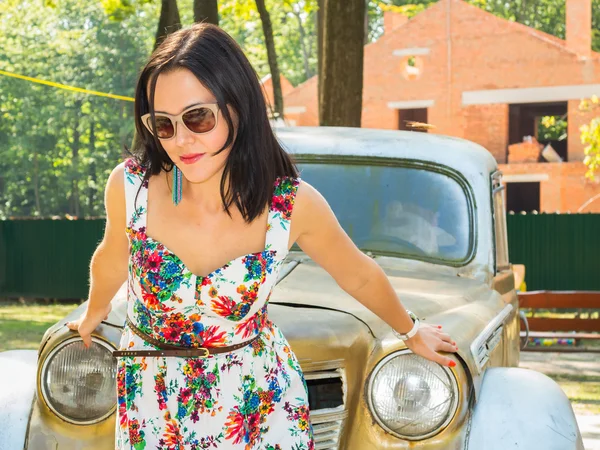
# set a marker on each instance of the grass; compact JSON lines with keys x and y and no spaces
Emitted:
{"x":583,"y":391}
{"x":22,"y":326}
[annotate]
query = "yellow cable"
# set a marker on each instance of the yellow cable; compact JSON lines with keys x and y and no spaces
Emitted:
{"x":64,"y":86}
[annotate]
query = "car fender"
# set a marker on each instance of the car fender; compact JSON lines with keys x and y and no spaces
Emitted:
{"x":522,"y":408}
{"x":17,"y":389}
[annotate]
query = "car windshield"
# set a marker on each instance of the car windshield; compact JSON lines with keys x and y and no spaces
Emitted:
{"x":414,"y":211}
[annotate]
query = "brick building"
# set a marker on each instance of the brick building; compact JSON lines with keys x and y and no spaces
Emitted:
{"x":473,"y":75}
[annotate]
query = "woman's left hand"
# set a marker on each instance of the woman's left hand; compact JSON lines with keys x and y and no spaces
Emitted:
{"x":429,"y":340}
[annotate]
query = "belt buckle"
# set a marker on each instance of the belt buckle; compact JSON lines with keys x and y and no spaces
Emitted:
{"x":204,"y":355}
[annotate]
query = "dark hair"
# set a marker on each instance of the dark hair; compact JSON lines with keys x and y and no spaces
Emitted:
{"x":257,"y":158}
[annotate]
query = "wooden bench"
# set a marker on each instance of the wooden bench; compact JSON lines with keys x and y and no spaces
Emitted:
{"x":561,"y":328}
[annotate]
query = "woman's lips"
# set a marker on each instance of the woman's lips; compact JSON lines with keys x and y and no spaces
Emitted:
{"x":191,"y":159}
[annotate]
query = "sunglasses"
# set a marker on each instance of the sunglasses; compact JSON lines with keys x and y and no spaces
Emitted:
{"x":199,"y":119}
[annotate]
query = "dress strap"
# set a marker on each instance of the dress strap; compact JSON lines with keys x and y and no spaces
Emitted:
{"x":134,"y":182}
{"x":280,"y":214}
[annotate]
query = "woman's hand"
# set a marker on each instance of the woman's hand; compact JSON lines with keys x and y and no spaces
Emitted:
{"x":87,"y":323}
{"x":429,"y":340}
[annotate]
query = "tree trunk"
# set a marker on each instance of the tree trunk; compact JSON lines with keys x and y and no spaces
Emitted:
{"x":272,"y":57}
{"x":342,"y":67}
{"x":319,"y":26}
{"x":206,"y":11}
{"x":168,"y":22}
{"x":307,"y":72}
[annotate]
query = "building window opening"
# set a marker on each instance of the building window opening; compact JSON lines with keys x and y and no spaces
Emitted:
{"x":541,"y":123}
{"x":523,"y":197}
{"x":413,"y":120}
{"x":411,"y":67}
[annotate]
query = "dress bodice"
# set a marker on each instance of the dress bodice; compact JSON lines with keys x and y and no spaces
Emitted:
{"x":225,"y":307}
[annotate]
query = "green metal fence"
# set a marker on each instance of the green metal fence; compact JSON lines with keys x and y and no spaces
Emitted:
{"x":50,"y":258}
{"x":560,"y":251}
{"x":47,"y":258}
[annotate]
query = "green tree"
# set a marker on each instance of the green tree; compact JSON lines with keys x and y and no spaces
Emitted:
{"x":294,"y":35}
{"x":590,"y":135}
{"x":57,"y":147}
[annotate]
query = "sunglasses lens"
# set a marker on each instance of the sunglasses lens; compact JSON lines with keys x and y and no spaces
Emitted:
{"x":164,"y":127}
{"x":200,"y":120}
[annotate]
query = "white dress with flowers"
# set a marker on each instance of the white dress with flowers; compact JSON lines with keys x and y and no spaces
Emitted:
{"x":251,"y":398}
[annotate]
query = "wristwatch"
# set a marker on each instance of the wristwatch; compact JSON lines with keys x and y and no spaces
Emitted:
{"x":414,"y":329}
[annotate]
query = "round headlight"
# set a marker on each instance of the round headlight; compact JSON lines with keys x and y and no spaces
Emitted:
{"x":79,"y":384}
{"x":411,"y":397}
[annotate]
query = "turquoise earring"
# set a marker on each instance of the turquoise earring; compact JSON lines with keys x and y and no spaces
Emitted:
{"x":176,"y":185}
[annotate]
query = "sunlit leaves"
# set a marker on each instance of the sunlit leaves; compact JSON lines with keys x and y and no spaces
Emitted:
{"x":590,"y":135}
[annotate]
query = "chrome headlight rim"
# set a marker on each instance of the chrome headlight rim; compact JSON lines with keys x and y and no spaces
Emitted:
{"x":44,"y":394}
{"x":369,"y":388}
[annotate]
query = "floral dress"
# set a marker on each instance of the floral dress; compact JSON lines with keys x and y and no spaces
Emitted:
{"x":251,"y":398}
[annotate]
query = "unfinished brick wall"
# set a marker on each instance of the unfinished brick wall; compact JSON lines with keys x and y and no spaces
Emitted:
{"x":478,"y":51}
{"x":579,"y":24}
{"x":566,"y":188}
{"x":487,"y":125}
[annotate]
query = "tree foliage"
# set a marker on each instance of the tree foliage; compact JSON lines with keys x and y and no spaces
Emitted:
{"x":294,"y":35}
{"x":590,"y":135}
{"x":57,"y":147}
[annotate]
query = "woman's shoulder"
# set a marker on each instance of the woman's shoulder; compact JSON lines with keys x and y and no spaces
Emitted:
{"x":308,"y":203}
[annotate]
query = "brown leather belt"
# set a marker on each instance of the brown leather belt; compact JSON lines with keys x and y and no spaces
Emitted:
{"x":175,"y":350}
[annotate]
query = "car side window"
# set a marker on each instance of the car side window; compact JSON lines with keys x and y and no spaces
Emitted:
{"x":501,"y":240}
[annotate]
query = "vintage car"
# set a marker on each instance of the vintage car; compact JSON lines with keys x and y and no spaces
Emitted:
{"x":430,"y":210}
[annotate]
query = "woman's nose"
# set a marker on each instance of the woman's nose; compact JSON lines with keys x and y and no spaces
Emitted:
{"x":183,"y":136}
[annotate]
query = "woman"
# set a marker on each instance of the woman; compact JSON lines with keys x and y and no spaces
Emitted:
{"x":212,"y":184}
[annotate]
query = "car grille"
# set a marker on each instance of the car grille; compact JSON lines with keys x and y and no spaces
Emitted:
{"x":326,"y":398}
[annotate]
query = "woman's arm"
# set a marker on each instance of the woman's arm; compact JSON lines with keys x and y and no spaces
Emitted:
{"x":321,"y":237}
{"x":109,"y":264}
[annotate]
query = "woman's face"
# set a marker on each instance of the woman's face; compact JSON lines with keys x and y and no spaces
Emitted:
{"x":176,"y":91}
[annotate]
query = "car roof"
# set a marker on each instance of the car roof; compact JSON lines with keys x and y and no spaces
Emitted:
{"x":460,"y":154}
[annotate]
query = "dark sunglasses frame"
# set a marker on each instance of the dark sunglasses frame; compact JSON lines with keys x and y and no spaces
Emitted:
{"x":147,"y":119}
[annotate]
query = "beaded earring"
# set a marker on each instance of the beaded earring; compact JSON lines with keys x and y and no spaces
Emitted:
{"x":176,"y":185}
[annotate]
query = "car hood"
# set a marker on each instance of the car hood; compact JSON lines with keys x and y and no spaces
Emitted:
{"x":436,"y":296}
